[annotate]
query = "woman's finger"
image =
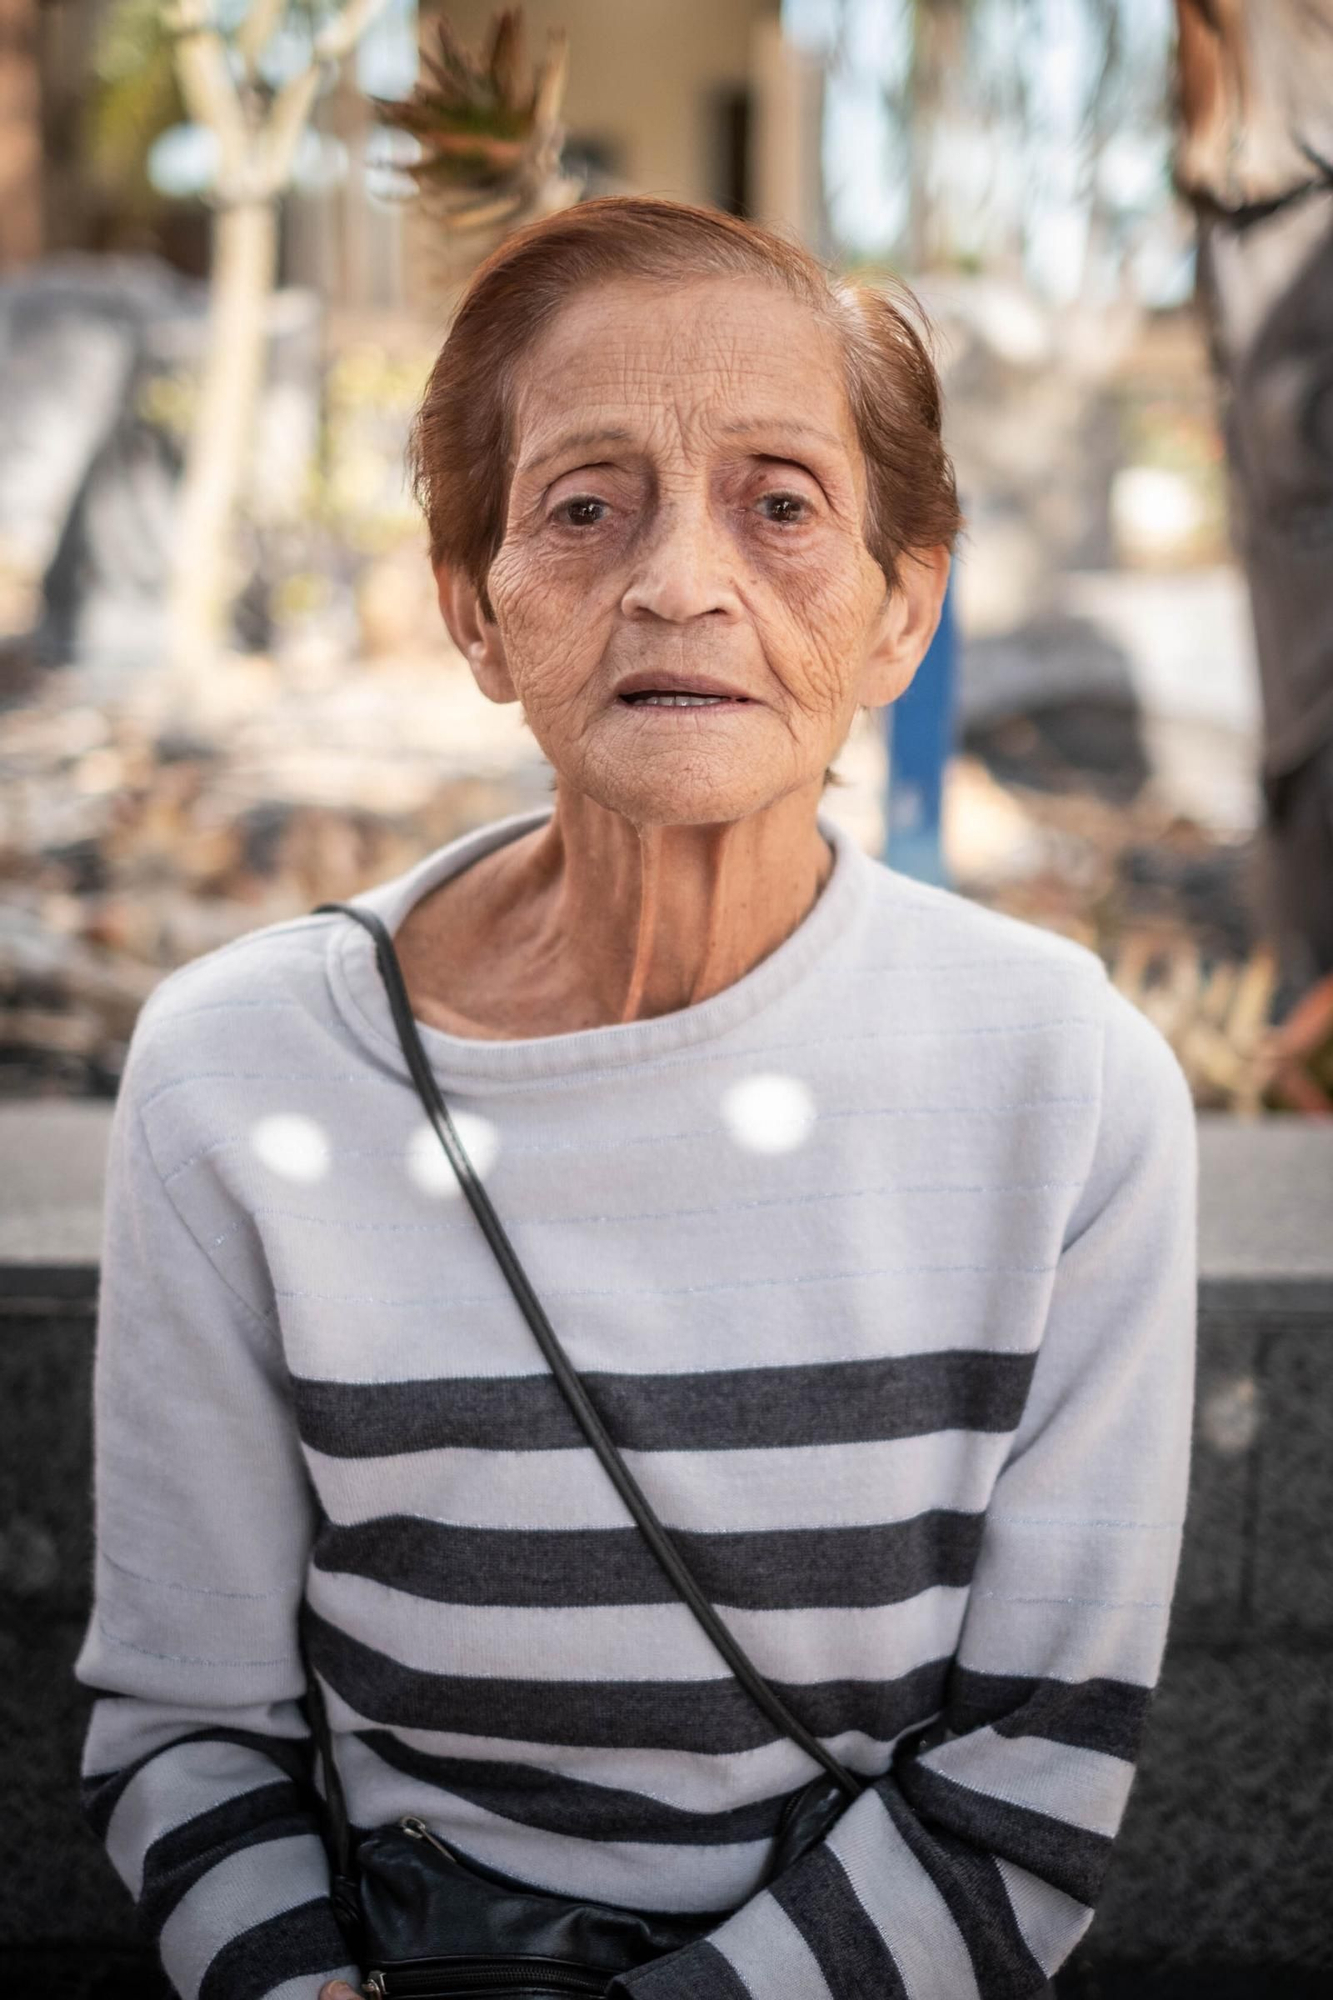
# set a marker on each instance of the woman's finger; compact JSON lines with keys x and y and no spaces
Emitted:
{"x":338,"y":1989}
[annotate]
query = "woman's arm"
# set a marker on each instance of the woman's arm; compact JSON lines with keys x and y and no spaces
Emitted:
{"x":196,"y":1762}
{"x":972,"y":1868}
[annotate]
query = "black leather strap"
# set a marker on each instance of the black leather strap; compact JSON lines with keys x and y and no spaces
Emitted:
{"x":657,"y":1537}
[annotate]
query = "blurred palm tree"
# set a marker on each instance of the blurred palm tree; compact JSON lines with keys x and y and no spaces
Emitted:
{"x":487,"y":129}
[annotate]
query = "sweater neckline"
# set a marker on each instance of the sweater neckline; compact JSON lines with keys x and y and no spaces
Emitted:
{"x":358,"y":990}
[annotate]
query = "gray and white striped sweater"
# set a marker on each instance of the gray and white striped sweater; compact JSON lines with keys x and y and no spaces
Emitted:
{"x":880,"y":1267}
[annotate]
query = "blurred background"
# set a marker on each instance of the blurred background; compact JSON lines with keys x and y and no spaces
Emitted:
{"x":231,"y":232}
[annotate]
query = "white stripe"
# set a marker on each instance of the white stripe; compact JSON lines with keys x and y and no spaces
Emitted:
{"x":765,"y":1950}
{"x":311,"y":1984}
{"x":638,"y":1642}
{"x":426,"y":1325}
{"x":1083,"y":1788}
{"x":903,"y":1903}
{"x":1051,"y":1923}
{"x":244,"y":1890}
{"x":713,"y":1333}
{"x":639,"y":1874}
{"x":694,"y":1781}
{"x":1055,"y":1639}
{"x":120,"y":1732}
{"x":1102,"y":1562}
{"x":232,"y":1637}
{"x":805,"y":1486}
{"x":173,"y":1789}
{"x":731,"y":1248}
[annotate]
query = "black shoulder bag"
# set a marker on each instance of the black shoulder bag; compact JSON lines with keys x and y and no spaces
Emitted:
{"x":422,"y":1919}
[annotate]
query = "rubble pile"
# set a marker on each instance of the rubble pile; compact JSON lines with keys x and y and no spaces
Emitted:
{"x":131,"y":840}
{"x":1169,"y":904}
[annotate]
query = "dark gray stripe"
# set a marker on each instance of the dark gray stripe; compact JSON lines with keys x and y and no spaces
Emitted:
{"x":1068,"y":1856}
{"x":687,"y":1975}
{"x":182,"y":1857}
{"x":826,"y":1910}
{"x":292,"y":1945}
{"x":101,"y":1791}
{"x":974,"y":1894}
{"x":558,"y":1804}
{"x":712,"y":1717}
{"x":780,"y":1570}
{"x":842,"y":1402}
{"x":1103,"y":1715}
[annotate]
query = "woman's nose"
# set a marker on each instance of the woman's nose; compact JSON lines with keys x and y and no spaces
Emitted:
{"x":682,"y":570}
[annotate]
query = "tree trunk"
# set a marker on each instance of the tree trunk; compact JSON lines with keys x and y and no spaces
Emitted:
{"x":939,"y":32}
{"x":244,"y":268}
{"x":1255,"y":88}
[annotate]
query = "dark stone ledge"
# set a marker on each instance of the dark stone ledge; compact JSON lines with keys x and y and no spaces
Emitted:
{"x":1222,"y":1880}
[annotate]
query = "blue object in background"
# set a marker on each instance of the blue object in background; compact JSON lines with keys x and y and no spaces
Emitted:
{"x":919,"y":731}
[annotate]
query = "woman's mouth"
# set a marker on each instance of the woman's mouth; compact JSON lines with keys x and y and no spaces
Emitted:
{"x":655,"y":698}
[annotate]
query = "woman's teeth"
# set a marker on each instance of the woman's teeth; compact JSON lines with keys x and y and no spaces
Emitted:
{"x":677,"y":700}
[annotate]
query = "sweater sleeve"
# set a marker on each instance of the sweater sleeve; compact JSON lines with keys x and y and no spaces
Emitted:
{"x":196,"y":1762}
{"x":970,"y":1870}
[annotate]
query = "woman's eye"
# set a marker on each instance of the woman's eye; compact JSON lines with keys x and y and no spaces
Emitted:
{"x":581,"y":512}
{"x":787,"y":509}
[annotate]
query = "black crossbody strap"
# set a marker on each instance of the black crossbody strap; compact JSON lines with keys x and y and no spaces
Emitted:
{"x":659,"y":1541}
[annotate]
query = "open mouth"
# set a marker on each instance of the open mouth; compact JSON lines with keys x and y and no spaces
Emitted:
{"x":674,"y":698}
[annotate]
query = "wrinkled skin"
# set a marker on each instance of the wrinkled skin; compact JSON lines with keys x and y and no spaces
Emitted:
{"x":688,"y":499}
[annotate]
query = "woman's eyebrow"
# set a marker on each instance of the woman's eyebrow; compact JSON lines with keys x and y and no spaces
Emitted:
{"x":778,"y":428}
{"x":573,"y":441}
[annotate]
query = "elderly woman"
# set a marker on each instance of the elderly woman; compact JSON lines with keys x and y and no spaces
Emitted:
{"x":866,"y":1214}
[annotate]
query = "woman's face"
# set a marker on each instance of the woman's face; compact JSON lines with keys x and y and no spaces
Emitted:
{"x":683,"y":601}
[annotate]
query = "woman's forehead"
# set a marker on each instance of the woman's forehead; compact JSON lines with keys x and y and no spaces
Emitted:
{"x":734,"y":353}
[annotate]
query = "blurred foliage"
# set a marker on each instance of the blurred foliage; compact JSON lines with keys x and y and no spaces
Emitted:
{"x":166,"y":402}
{"x":135,"y":98}
{"x":359,"y":491}
{"x":486,"y":125}
{"x":471,"y":117}
{"x":136,"y":95}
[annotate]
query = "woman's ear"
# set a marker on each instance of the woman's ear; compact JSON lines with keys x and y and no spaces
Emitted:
{"x":474,"y":632}
{"x":906,"y":625}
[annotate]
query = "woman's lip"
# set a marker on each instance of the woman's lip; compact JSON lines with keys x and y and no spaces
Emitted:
{"x":650,"y":683}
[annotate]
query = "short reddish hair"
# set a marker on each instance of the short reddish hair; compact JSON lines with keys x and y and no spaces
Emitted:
{"x":461,"y":449}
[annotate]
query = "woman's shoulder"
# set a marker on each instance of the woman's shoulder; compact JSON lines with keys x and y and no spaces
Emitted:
{"x":944,"y":932}
{"x":247,"y":1003}
{"x":970,"y":965}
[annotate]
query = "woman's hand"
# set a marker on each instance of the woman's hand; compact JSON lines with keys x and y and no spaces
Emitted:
{"x":338,"y":1989}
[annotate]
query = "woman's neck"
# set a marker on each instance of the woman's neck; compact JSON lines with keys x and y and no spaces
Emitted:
{"x":591,"y":920}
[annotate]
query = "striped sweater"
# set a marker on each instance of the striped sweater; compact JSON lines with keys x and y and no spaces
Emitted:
{"x":879,"y":1265}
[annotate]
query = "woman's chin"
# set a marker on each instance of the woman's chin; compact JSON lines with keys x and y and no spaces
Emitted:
{"x":691,"y":797}
{"x":697,"y":774}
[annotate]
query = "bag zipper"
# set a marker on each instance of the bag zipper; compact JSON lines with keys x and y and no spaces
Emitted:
{"x":419,"y":1830}
{"x":431,"y":1977}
